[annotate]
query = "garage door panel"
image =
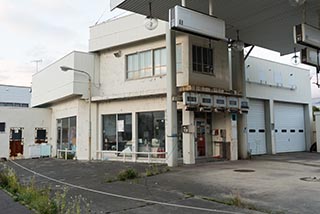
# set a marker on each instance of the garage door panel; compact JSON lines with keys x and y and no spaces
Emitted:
{"x":289,"y":127}
{"x":256,"y":128}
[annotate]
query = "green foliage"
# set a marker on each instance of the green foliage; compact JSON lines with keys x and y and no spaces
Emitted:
{"x":41,"y":199}
{"x":155,"y":170}
{"x":126,"y":174}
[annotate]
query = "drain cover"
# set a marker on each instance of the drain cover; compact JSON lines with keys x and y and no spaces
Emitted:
{"x":310,"y":179}
{"x":244,"y":170}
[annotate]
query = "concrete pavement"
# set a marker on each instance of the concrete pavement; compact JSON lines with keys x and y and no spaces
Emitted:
{"x":9,"y":206}
{"x":271,"y":184}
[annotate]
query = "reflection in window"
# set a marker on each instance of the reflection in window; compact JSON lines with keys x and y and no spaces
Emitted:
{"x":151,"y":132}
{"x":67,"y":134}
{"x":151,"y":63}
{"x":117,"y":132}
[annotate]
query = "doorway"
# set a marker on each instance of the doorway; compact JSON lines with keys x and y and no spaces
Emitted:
{"x":200,"y":137}
{"x":16,"y":142}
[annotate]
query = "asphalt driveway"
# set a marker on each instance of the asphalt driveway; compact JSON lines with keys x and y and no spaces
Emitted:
{"x":267,"y":184}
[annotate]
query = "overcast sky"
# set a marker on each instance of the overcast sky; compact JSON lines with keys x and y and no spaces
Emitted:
{"x":49,"y":29}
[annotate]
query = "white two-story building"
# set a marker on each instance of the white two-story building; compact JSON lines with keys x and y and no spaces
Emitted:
{"x":127,"y":65}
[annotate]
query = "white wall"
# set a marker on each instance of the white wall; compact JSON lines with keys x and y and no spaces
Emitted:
{"x":52,"y":84}
{"x":28,"y":119}
{"x":263,"y":75}
{"x":113,"y":71}
{"x":122,"y":31}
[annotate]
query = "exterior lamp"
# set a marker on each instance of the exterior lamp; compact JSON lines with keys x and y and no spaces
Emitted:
{"x":150,"y":22}
{"x":65,"y":69}
{"x":237,"y":45}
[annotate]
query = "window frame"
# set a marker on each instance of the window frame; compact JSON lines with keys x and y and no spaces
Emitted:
{"x":153,"y":74}
{"x":202,"y":63}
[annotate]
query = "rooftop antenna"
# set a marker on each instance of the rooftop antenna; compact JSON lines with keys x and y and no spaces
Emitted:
{"x":37,"y":61}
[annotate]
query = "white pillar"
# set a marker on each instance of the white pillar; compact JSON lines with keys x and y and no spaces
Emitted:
{"x":239,"y":84}
{"x":188,"y":138}
{"x":270,"y":134}
{"x":171,"y":125}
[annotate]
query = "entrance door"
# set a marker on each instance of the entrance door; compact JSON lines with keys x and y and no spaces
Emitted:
{"x":16,"y":142}
{"x":200,"y":137}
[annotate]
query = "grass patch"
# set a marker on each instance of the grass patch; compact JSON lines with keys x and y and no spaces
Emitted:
{"x":127,"y":174}
{"x":41,"y":200}
{"x":155,"y":170}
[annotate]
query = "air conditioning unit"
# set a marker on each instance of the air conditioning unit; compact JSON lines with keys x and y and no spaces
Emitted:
{"x":307,"y":35}
{"x":243,"y":105}
{"x":232,"y":104}
{"x":190,"y":21}
{"x":190,"y":99}
{"x":310,"y":56}
{"x":219,"y":103}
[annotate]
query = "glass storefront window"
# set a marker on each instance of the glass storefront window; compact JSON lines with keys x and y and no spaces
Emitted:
{"x":151,"y":132}
{"x":117,"y":132}
{"x":67,"y":133}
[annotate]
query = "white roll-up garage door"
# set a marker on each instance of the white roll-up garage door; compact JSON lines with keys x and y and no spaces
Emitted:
{"x":256,"y":128}
{"x":289,"y":127}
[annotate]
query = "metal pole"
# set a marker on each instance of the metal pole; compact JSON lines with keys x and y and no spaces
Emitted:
{"x":183,"y":3}
{"x":89,"y":117}
{"x":171,"y":135}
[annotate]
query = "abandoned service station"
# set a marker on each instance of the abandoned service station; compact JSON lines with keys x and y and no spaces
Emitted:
{"x":172,"y":83}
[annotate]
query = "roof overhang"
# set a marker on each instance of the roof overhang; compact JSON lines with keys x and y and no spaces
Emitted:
{"x":267,"y":24}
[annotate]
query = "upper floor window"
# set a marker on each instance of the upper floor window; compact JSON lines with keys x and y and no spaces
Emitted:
{"x":151,"y":63}
{"x":139,"y":65}
{"x":202,"y":60}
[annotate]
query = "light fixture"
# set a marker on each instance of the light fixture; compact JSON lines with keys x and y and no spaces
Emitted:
{"x":237,"y":45}
{"x":296,"y":3}
{"x":150,"y":22}
{"x":295,"y":58}
{"x":117,"y":54}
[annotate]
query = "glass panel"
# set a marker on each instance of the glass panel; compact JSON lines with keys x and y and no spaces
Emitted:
{"x":124,"y":128}
{"x":151,"y":132}
{"x":73,"y":133}
{"x":109,"y":132}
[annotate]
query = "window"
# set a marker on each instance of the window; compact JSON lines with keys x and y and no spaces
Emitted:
{"x":2,"y":127}
{"x":202,"y":60}
{"x":151,"y":132}
{"x":40,"y":135}
{"x":67,"y":134}
{"x":117,"y":132}
{"x":151,"y":63}
{"x":139,"y":65}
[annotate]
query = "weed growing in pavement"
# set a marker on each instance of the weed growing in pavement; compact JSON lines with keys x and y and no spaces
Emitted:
{"x":41,"y":199}
{"x":155,"y":170}
{"x":127,"y":174}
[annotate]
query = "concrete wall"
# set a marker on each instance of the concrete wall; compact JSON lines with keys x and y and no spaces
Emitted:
{"x":221,"y":77}
{"x":122,"y":31}
{"x":52,"y":84}
{"x":113,"y":71}
{"x":28,"y":119}
{"x":15,"y":94}
{"x":263,"y":79}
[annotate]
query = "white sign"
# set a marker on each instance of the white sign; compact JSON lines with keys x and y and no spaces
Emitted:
{"x":120,"y":125}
